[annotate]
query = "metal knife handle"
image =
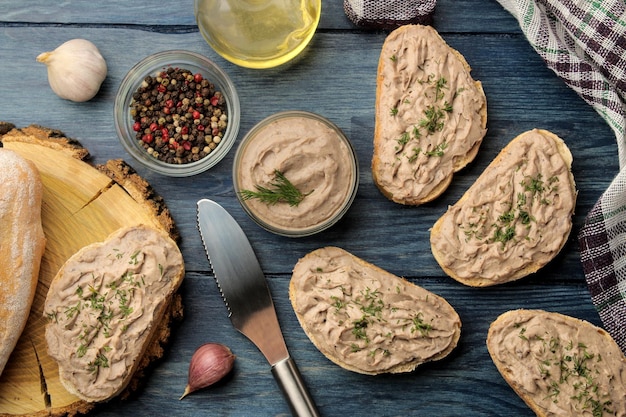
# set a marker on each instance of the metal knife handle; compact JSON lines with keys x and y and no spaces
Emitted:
{"x":292,"y":385}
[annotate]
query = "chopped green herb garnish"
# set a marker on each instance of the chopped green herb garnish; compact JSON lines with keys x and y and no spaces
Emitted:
{"x":82,"y":349}
{"x":371,"y":304}
{"x":133,"y":258}
{"x":438,"y":151}
{"x":575,"y":367}
{"x":534,"y":185}
{"x":420,"y":326}
{"x":101,"y":361}
{"x":433,"y":121}
{"x":503,"y":235}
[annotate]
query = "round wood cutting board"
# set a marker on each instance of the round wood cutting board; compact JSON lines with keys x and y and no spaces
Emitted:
{"x":82,"y":204}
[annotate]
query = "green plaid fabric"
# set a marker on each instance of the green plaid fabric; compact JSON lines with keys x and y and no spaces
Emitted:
{"x":584,"y":43}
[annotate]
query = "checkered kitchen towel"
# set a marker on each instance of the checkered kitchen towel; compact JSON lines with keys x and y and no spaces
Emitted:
{"x":389,"y":14}
{"x":584,"y":43}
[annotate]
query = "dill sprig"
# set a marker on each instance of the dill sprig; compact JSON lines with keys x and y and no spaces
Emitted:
{"x":281,"y":191}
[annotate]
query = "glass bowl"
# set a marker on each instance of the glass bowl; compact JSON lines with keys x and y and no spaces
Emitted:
{"x":295,"y":173}
{"x":258,"y":33}
{"x":153,"y":65}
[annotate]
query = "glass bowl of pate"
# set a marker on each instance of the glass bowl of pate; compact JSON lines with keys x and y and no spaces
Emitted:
{"x":295,"y":173}
{"x":177,"y":113}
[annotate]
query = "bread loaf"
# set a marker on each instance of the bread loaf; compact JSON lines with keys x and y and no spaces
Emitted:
{"x":104,"y":305}
{"x":22,"y":244}
{"x":559,"y":365}
{"x":431,"y":116}
{"x":514,"y":219}
{"x":368,"y":320}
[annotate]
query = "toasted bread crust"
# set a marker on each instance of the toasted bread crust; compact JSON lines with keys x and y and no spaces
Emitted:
{"x":478,"y":279}
{"x":382,"y":165}
{"x":22,"y":244}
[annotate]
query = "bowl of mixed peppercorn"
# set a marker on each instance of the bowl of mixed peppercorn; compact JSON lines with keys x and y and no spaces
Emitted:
{"x":177,"y":113}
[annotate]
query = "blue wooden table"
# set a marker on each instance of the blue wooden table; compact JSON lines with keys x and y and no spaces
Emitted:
{"x":335,"y":77}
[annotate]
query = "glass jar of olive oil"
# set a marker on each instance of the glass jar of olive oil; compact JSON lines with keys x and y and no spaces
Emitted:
{"x":257,"y":33}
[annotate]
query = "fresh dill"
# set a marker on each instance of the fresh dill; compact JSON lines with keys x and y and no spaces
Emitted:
{"x":281,"y":190}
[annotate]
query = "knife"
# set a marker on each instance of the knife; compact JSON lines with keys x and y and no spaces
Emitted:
{"x":248,"y":300}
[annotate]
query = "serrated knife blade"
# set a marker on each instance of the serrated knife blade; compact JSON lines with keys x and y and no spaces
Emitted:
{"x":247,"y":297}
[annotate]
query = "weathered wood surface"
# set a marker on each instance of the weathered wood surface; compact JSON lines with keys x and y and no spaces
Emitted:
{"x":80,"y":205}
{"x":335,"y":77}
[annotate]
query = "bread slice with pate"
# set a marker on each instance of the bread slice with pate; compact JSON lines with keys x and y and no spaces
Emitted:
{"x":559,"y":365}
{"x":514,"y":219}
{"x":104,"y":305}
{"x":367,"y":320}
{"x":430,"y":115}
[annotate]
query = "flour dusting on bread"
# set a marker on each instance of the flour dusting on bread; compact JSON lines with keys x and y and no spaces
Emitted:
{"x":22,"y":244}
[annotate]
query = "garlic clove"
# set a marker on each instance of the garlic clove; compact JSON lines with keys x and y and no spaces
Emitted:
{"x":76,"y":69}
{"x":210,"y":363}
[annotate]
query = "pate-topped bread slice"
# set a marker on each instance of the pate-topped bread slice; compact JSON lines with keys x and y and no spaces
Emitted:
{"x":366,"y":319}
{"x":559,"y":365}
{"x":514,"y":219}
{"x":104,"y":305}
{"x":431,"y":116}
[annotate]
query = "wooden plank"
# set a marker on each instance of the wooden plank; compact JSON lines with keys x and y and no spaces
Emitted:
{"x":478,"y":16}
{"x":447,"y":388}
{"x":336,"y":78}
{"x":552,"y":106}
{"x":80,"y":206}
{"x":521,"y":94}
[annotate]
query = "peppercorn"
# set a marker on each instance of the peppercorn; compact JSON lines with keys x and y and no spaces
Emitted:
{"x":171,"y":111}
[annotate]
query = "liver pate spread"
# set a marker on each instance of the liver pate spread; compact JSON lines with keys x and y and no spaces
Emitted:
{"x":559,"y":365}
{"x":430,"y":114}
{"x":516,"y":216}
{"x":366,"y":319}
{"x":312,"y":156}
{"x":103,"y":305}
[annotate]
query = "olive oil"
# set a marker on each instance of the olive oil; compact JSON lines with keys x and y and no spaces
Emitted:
{"x":258,"y":33}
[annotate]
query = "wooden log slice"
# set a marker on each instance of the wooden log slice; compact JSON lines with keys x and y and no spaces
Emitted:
{"x":82,"y":204}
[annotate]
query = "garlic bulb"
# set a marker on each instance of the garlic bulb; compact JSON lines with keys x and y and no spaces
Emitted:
{"x":76,"y":69}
